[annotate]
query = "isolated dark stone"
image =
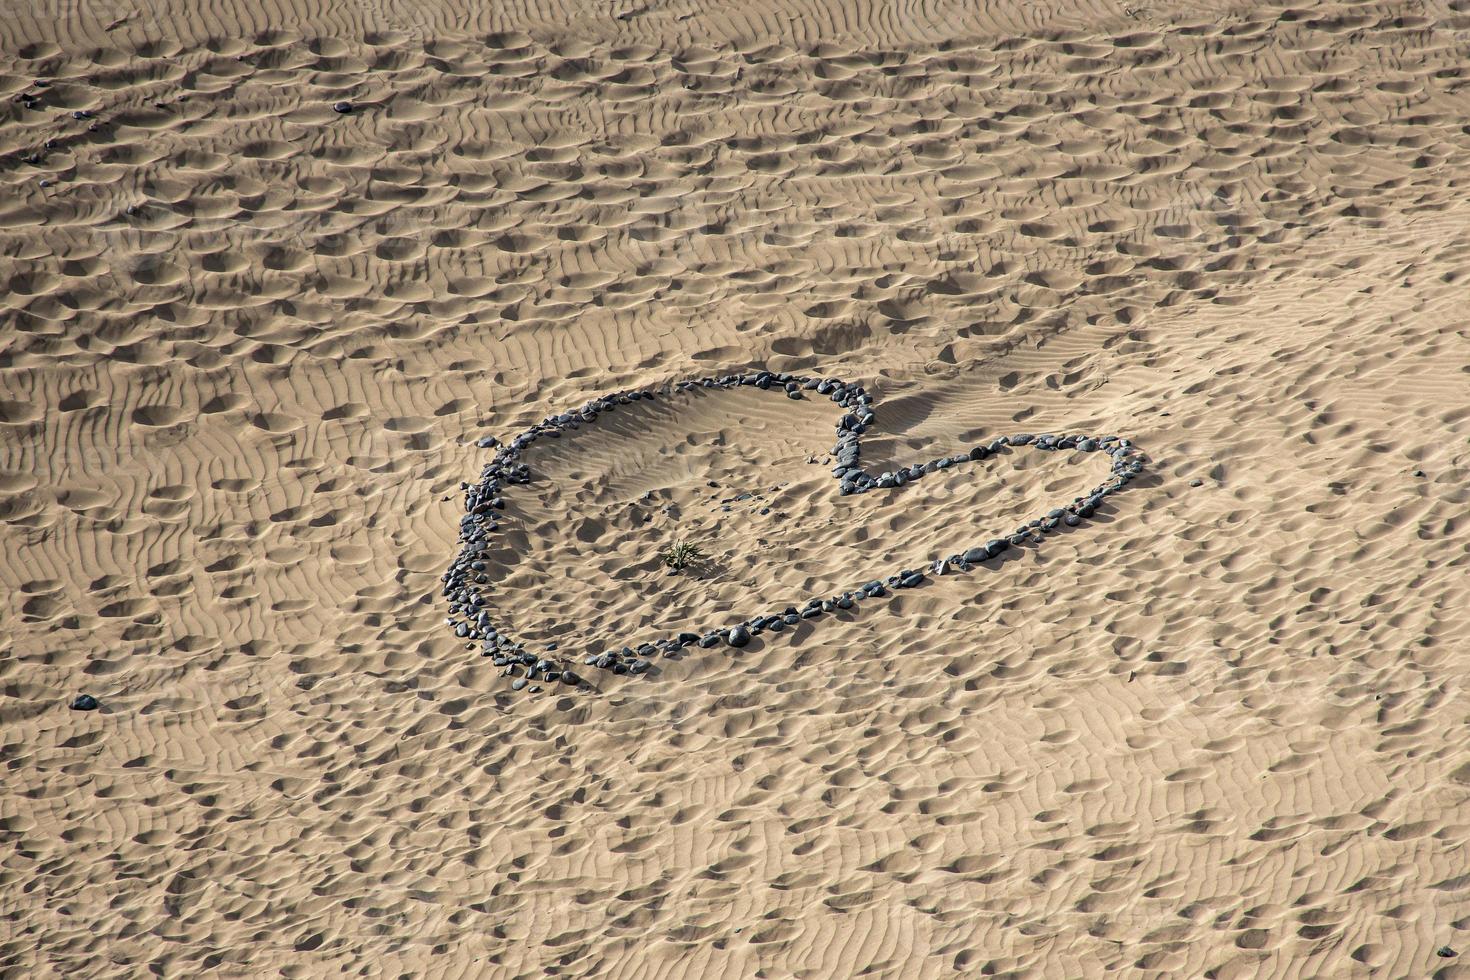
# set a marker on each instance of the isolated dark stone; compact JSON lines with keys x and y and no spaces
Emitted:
{"x":85,"y":702}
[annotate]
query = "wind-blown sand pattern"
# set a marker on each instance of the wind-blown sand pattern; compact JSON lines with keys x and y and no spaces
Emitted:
{"x":248,"y":343}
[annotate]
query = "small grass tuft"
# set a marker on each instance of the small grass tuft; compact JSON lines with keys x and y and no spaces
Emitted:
{"x":681,"y":554}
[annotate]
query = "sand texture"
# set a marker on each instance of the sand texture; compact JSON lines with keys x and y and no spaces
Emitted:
{"x":248,"y":343}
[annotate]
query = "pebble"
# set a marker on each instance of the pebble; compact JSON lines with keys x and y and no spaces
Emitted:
{"x":470,"y":620}
{"x":85,"y":702}
{"x":342,"y":107}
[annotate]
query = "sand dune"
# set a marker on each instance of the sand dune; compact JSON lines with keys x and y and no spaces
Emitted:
{"x":248,"y":343}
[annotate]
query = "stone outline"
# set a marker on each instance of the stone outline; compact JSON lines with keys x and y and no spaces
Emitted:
{"x":470,"y":616}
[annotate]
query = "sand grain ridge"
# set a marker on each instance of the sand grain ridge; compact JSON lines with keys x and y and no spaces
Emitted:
{"x":248,"y":342}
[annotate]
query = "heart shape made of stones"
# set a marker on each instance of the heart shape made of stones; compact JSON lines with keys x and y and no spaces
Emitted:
{"x":470,"y":616}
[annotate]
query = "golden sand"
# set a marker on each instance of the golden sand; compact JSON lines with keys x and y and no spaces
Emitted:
{"x":248,"y":342}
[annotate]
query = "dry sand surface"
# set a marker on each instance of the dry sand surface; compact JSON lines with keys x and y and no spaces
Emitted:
{"x":247,"y":344}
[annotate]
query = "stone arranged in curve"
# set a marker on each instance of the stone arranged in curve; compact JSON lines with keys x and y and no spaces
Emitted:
{"x":469,"y":614}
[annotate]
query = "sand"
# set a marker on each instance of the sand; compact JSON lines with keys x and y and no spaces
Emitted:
{"x":248,"y":343}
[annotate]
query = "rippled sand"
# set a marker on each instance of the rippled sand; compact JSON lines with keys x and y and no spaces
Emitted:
{"x":248,"y":342}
